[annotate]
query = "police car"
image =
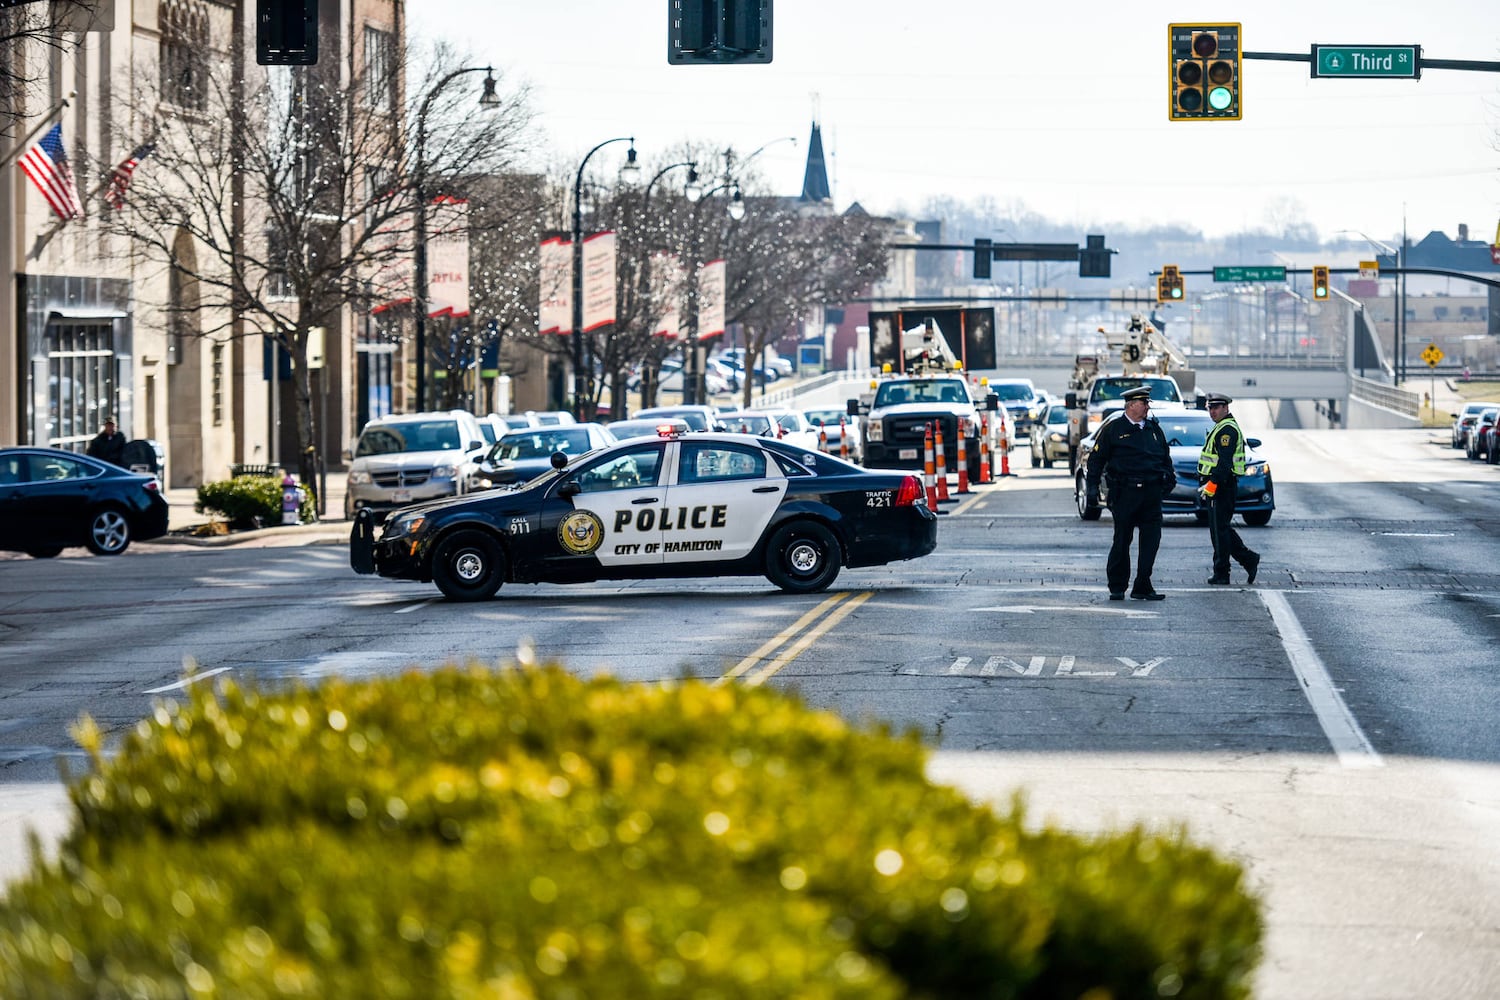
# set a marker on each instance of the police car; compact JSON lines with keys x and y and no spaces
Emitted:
{"x":678,"y":505}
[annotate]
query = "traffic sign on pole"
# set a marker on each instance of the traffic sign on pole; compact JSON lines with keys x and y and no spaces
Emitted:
{"x":1265,"y":272}
{"x":1399,"y":62}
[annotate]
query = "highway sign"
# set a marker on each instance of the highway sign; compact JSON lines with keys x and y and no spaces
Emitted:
{"x":1400,"y":62}
{"x":1432,"y":354}
{"x":1369,"y":269}
{"x":1265,"y":272}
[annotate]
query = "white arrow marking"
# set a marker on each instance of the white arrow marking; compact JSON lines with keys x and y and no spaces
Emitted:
{"x":1143,"y":669}
{"x":191,"y":679}
{"x":1031,"y":609}
{"x":959,"y":665}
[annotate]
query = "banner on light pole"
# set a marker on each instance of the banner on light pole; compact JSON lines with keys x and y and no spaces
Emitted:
{"x":555,"y":279}
{"x":712,"y":283}
{"x":448,"y":257}
{"x":598,"y":281}
{"x":666,"y":295}
{"x":393,"y":277}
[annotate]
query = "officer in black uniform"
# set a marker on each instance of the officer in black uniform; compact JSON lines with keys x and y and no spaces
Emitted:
{"x":1132,"y":451}
{"x":1220,"y":466}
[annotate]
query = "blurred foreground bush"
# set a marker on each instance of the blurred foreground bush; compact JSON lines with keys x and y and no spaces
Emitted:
{"x":479,"y":833}
{"x":252,"y":501}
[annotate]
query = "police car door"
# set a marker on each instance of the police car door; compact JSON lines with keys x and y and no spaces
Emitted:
{"x":724,"y":495}
{"x":612,"y":516}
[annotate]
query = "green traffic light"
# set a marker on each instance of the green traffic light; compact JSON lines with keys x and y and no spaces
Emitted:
{"x":1219,"y":98}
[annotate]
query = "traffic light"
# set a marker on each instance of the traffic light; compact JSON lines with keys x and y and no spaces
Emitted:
{"x":1320,"y":282}
{"x":1204,"y":61}
{"x":1169,"y":286}
{"x":718,"y":31}
{"x":982,"y":258}
{"x":286,"y":32}
{"x":1093,"y":258}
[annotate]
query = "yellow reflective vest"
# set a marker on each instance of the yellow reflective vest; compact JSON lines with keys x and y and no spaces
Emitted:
{"x":1208,"y":459}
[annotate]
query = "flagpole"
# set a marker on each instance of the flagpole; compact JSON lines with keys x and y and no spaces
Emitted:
{"x":25,"y":144}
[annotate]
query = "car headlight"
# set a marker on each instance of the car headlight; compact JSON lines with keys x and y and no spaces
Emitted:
{"x":407,"y":524}
{"x":1258,"y":470}
{"x":359,"y":479}
{"x":444,"y":471}
{"x":1054,"y":436}
{"x":874,"y":431}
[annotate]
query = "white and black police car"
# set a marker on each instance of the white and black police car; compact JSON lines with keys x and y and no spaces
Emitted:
{"x":677,"y":505}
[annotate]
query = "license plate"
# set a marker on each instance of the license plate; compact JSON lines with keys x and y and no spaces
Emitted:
{"x":401,"y":496}
{"x":908,"y":454}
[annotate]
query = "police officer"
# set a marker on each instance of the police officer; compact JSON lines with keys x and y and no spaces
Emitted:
{"x":1220,"y":466}
{"x":1132,"y":451}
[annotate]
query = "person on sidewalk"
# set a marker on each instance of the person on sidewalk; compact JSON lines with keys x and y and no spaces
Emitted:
{"x":1132,"y":452}
{"x":108,"y":445}
{"x":1220,"y":465}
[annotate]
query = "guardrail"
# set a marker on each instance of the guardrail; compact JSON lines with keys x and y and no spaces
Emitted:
{"x":1402,"y":401}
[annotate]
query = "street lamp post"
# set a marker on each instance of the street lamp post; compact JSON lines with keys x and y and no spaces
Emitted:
{"x":692,"y":191}
{"x":583,"y":379}
{"x":489,"y":100}
{"x":1398,"y":331}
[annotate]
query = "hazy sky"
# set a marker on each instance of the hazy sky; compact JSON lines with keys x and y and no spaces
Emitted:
{"x":1061,"y":106}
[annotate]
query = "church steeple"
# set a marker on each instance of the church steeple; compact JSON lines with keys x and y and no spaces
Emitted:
{"x":815,"y":180}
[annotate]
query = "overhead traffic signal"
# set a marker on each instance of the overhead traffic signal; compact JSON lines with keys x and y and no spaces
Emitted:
{"x":718,"y":31}
{"x":982,"y":257}
{"x":1204,"y":61}
{"x":1320,"y":282}
{"x":286,"y":32}
{"x":1169,"y":285}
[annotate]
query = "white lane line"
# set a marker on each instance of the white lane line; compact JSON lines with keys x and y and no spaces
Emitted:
{"x":414,"y":607}
{"x":1348,"y":740}
{"x":190,"y":679}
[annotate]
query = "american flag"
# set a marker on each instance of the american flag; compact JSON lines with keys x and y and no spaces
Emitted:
{"x":119,"y":179}
{"x":46,"y":164}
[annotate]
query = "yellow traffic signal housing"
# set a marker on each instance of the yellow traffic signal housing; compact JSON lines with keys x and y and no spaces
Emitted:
{"x":1169,"y":286}
{"x":1320,"y":282}
{"x":1204,"y":61}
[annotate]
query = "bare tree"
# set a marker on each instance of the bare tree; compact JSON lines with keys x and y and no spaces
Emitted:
{"x":296,"y":192}
{"x":27,"y":31}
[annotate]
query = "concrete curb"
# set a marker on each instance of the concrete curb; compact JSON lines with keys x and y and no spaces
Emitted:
{"x":321,"y":533}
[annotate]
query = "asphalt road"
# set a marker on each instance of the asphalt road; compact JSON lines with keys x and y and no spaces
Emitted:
{"x":1333,"y":726}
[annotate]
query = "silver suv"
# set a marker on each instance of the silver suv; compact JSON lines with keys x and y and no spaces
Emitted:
{"x":401,"y":459}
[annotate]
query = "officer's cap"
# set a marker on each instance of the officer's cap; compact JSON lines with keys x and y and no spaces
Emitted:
{"x":1217,"y":399}
{"x":1139,"y":392}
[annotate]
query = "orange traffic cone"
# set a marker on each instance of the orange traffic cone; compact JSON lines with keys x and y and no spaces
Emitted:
{"x":984,"y":449}
{"x":927,"y":471}
{"x":843,"y":439}
{"x":1004,"y":447}
{"x":822,"y":438}
{"x":942,"y":466}
{"x":963,"y":457}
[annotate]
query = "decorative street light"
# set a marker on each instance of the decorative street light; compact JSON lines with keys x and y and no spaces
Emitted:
{"x":583,"y":378}
{"x":488,"y":100}
{"x":692,"y":191}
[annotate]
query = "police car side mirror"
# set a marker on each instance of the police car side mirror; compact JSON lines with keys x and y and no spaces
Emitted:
{"x":1070,"y":401}
{"x":559,"y":460}
{"x":569,"y":489}
{"x":1253,"y":442}
{"x":992,"y":402}
{"x":852,"y":408}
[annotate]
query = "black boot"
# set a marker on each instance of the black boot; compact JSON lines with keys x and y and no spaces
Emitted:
{"x":1251,"y":563}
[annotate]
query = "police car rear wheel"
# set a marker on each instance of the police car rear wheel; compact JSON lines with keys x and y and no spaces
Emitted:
{"x":802,"y":557}
{"x":468,"y":566}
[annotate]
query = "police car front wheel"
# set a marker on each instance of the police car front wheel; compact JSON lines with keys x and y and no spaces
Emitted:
{"x":802,"y":557}
{"x":468,"y":566}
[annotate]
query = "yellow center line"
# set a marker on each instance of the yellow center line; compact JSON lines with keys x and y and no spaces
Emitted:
{"x":812,"y":636}
{"x":785,"y":634}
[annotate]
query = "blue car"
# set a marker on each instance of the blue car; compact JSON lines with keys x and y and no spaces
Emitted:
{"x":1186,"y":430}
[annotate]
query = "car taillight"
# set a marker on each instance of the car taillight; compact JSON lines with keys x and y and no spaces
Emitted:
{"x":151,"y":487}
{"x":910,"y":492}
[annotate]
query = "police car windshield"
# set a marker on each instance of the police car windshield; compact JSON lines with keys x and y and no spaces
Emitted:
{"x":541,"y":444}
{"x":392,"y":439}
{"x":895,"y":393}
{"x":1185,"y":429}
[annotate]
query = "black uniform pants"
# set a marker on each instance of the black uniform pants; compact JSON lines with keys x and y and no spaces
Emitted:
{"x":1135,"y":505}
{"x":1226,"y":541}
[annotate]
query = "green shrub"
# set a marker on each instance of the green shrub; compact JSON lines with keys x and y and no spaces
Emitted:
{"x":251,"y":501}
{"x":528,"y":834}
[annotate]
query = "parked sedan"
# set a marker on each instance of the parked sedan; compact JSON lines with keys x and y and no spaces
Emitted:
{"x":1186,"y":430}
{"x":1464,"y":420}
{"x":51,"y":500}
{"x":1482,"y":435}
{"x":521,"y":456}
{"x":690,"y":505}
{"x":1049,"y":437}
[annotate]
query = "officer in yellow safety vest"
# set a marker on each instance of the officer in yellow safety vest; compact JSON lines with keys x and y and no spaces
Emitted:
{"x":1220,"y":466}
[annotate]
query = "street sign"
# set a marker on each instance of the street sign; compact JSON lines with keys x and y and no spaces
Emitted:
{"x":1264,"y":272}
{"x":1432,"y":354}
{"x":1400,"y":62}
{"x":1369,"y":269}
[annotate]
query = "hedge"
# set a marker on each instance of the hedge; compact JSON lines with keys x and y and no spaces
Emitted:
{"x":524,"y":833}
{"x":251,"y":501}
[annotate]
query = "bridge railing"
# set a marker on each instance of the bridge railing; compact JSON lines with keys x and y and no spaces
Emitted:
{"x":1402,"y":401}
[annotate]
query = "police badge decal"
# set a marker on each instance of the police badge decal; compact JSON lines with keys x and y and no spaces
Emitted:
{"x":580,"y":532}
